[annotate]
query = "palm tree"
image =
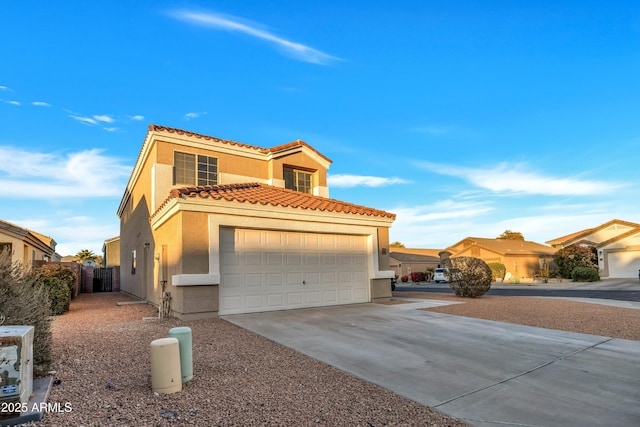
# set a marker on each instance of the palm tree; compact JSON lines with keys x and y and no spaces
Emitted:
{"x":86,"y":255}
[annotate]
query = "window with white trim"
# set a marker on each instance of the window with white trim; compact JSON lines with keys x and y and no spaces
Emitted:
{"x":299,"y":180}
{"x":192,"y":169}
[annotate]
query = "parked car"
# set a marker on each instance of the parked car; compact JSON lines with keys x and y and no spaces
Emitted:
{"x":438,"y":275}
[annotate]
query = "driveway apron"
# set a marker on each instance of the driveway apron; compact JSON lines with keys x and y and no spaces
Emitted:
{"x":483,"y":372}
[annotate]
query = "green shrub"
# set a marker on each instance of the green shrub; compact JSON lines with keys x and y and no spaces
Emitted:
{"x":25,"y":302}
{"x":58,"y":292}
{"x":59,"y":283}
{"x":498,"y":270}
{"x":585,"y":274}
{"x":468,"y":276}
{"x":574,"y":256}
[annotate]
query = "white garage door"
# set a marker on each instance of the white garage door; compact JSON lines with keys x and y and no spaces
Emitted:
{"x":264,"y":270}
{"x":624,"y":265}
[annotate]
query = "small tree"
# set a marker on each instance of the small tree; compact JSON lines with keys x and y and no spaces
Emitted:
{"x":511,"y":235}
{"x":575,"y":256}
{"x":468,"y":276}
{"x":396,"y":244}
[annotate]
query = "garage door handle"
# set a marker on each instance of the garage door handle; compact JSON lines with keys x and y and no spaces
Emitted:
{"x":304,"y":283}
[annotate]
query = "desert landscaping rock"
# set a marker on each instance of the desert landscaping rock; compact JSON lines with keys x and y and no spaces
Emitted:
{"x":102,"y":358}
{"x":102,"y":368}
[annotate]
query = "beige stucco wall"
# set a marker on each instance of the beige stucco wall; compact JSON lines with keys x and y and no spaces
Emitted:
{"x":227,"y":163}
{"x":112,"y":253}
{"x":192,"y":239}
{"x":520,"y":266}
{"x":25,"y":251}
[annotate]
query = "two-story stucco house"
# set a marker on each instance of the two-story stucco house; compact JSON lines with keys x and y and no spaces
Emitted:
{"x":232,"y":228}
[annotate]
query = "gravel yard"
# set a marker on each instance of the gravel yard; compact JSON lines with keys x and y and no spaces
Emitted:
{"x":551,"y":313}
{"x":102,"y":363}
{"x":102,"y":367}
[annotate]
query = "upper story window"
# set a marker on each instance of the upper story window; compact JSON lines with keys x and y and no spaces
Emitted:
{"x":298,"y":180}
{"x":192,"y":169}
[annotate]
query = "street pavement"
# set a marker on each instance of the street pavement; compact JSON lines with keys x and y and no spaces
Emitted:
{"x":611,"y":289}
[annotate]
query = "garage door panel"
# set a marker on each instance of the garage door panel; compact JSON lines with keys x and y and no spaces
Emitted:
{"x":294,"y":298}
{"x":312,"y":278}
{"x":253,"y":258}
{"x":312,"y":297}
{"x":254,"y":301}
{"x":275,"y":300}
{"x":329,"y":278}
{"x":330,"y":296}
{"x":344,"y":277}
{"x":253,"y":280}
{"x":274,"y":279}
{"x":264,"y":270}
{"x":294,"y":278}
{"x":294,"y":259}
{"x":328,"y":259}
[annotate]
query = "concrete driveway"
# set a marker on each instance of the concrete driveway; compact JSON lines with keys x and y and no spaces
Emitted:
{"x":483,"y":372}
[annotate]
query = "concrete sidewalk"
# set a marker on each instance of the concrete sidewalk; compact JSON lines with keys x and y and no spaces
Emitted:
{"x":485,"y":373}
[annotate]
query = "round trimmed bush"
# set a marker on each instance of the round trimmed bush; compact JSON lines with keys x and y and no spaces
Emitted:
{"x":585,"y":274}
{"x":468,"y":276}
{"x":498,"y":270}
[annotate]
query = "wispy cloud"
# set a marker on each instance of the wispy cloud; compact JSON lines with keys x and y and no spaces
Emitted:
{"x":13,"y":102}
{"x":136,"y":118}
{"x":519,"y":178}
{"x":84,"y":120}
{"x":5,"y":89}
{"x":296,"y":50}
{"x":193,"y":115}
{"x":41,"y":104}
{"x":103,"y":118}
{"x":96,"y":119}
{"x":348,"y":181}
{"x":88,"y":173}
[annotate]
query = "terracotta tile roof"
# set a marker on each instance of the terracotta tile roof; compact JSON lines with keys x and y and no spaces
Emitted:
{"x":298,"y":143}
{"x":407,"y":257}
{"x":256,"y":193}
{"x":569,"y":236}
{"x":279,"y":148}
{"x":504,"y":246}
{"x":177,"y":131}
{"x":586,"y":232}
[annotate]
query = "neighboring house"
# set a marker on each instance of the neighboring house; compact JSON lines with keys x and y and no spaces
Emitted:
{"x":409,"y":260}
{"x":111,"y":252}
{"x":229,"y":228}
{"x":26,"y":246}
{"x":617,"y":243}
{"x":523,"y":259}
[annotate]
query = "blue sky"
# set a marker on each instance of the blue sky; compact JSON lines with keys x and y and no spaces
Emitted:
{"x":464,"y":118}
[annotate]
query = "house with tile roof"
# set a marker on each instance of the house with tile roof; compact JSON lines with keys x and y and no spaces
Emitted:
{"x":522,"y":259}
{"x":26,"y":246}
{"x":405,"y":261}
{"x":227,"y":227}
{"x":617,"y":243}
